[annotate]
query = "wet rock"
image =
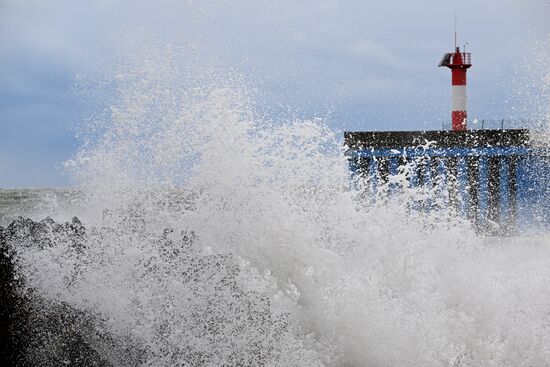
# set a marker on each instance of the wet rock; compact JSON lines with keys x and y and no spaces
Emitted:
{"x":24,"y":232}
{"x":10,"y":308}
{"x":33,"y":331}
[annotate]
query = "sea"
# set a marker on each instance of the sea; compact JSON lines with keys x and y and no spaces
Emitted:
{"x":34,"y":203}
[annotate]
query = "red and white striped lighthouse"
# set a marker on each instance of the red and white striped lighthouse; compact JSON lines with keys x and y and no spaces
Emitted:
{"x":458,"y":62}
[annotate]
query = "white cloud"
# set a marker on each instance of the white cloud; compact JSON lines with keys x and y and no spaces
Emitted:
{"x":372,"y":51}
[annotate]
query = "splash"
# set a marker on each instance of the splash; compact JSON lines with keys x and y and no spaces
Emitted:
{"x":287,"y":265}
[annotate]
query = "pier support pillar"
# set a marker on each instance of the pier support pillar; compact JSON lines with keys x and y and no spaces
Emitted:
{"x":493,"y":197}
{"x":512,"y":192}
{"x":383,"y":169}
{"x":473,"y":189}
{"x":452,"y":181}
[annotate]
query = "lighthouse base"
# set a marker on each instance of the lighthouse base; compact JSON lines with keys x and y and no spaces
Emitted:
{"x":458,"y":119}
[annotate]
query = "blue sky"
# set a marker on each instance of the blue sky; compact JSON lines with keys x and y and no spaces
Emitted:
{"x":362,"y":64}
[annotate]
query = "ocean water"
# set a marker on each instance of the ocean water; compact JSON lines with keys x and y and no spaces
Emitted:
{"x":217,"y":236}
{"x":36,"y":203}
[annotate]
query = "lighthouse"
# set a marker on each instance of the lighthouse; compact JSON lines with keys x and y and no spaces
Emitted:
{"x":458,"y":62}
{"x":496,"y":178}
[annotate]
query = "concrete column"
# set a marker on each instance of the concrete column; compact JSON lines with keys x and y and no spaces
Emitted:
{"x":434,"y":170}
{"x":512,"y":192}
{"x":493,"y":197}
{"x":473,"y":189}
{"x":452,"y":182}
{"x":420,"y":172}
{"x":363,"y":167}
{"x":383,"y":169}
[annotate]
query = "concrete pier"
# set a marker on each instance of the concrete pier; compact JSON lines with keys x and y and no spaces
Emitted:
{"x":484,"y":163}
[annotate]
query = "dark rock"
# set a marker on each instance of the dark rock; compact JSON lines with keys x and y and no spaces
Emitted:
{"x":11,"y":313}
{"x":34,"y":331}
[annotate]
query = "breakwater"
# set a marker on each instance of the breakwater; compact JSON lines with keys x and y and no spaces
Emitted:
{"x":496,"y":178}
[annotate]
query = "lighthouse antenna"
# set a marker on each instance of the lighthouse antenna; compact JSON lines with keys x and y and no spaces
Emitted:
{"x":455,"y":31}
